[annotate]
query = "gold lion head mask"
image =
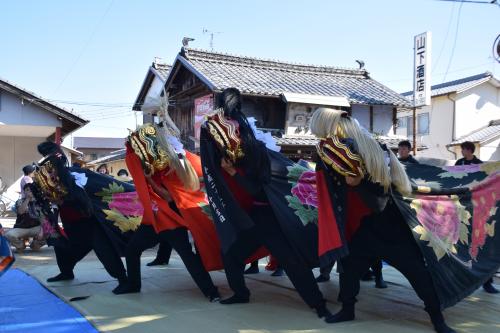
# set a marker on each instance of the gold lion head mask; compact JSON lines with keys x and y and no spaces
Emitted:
{"x":47,"y":179}
{"x":144,"y":142}
{"x":226,"y":134}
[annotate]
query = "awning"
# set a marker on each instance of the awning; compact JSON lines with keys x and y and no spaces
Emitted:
{"x":315,"y":99}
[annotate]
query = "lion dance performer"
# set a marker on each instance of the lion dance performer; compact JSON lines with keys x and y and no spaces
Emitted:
{"x":167,"y":181}
{"x":83,"y":197}
{"x":356,"y":181}
{"x":247,"y":189}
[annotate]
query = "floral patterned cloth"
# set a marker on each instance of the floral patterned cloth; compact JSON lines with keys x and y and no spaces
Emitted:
{"x":453,"y":213}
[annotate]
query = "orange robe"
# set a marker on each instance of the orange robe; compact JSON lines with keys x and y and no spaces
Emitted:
{"x":158,"y":213}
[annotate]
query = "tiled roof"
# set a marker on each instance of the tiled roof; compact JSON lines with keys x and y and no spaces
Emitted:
{"x":162,"y":69}
{"x":296,"y":141}
{"x":484,"y":134}
{"x":114,"y":156}
{"x":157,"y":69}
{"x":95,"y":142}
{"x":391,"y":142}
{"x":254,"y":76}
{"x":457,"y":86}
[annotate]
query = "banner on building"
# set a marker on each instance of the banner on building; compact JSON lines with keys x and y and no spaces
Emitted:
{"x":202,"y":107}
{"x":422,"y":69}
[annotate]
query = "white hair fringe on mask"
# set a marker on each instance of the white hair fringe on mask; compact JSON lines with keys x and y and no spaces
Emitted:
{"x":266,"y":138}
{"x":368,"y":134}
{"x":176,"y":144}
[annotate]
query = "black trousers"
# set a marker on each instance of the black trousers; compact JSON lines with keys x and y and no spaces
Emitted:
{"x":376,"y":268}
{"x":85,"y":236}
{"x":386,"y":236}
{"x":267,"y":232}
{"x":164,"y":252}
{"x":145,"y":237}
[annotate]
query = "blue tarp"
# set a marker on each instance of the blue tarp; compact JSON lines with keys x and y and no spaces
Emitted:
{"x":26,"y":306}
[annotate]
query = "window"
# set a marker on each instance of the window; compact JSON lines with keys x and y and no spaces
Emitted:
{"x":422,"y":124}
{"x":402,"y":122}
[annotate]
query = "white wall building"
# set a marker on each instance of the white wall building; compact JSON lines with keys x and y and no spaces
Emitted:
{"x":25,"y":121}
{"x":459,"y":109}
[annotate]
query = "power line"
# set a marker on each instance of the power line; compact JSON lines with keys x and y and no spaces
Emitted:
{"x":454,"y":42}
{"x":103,"y":104}
{"x":445,"y":38}
{"x":82,"y":51}
{"x":487,"y":2}
{"x":454,"y":71}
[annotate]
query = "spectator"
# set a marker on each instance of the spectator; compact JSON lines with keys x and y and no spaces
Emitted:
{"x":123,"y":176}
{"x":28,"y":171}
{"x":404,"y":156}
{"x":468,"y":149}
{"x":122,"y":173}
{"x":103,"y":169}
{"x":28,"y":222}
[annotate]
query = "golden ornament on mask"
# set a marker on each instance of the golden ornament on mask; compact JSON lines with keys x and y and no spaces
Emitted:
{"x":48,"y":181}
{"x":340,"y":157}
{"x":226,"y":134}
{"x":145,"y":145}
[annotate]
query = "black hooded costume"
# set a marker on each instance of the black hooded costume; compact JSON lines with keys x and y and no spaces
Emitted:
{"x":250,"y":210}
{"x":82,"y":209}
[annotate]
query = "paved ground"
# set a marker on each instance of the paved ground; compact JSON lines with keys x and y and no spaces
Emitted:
{"x":170,"y":302}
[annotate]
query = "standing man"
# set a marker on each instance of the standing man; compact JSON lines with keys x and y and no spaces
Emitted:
{"x":404,"y":156}
{"x":469,"y":158}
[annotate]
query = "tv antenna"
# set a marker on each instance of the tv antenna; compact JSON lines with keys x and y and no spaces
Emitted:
{"x":212,"y":33}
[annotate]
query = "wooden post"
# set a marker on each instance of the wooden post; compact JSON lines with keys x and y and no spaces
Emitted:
{"x":414,"y":131}
{"x":58,"y":136}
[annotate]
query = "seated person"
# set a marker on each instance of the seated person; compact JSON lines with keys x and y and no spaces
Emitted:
{"x":28,"y":222}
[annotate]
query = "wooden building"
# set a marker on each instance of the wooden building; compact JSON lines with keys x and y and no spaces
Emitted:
{"x":280,"y":95}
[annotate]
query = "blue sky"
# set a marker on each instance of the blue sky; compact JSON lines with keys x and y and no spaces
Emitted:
{"x":98,"y":52}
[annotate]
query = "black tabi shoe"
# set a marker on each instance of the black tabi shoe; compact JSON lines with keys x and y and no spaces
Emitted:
{"x":252,"y":270}
{"x":380,"y":282}
{"x":439,"y":324}
{"x":61,"y":277}
{"x":345,"y":314}
{"x":278,"y":272}
{"x":157,"y":262}
{"x":236,"y":299}
{"x":322,"y":278}
{"x":323,"y":312}
{"x":125,"y":288}
{"x":214,"y":297}
{"x":368,"y":276}
{"x":489,"y":288}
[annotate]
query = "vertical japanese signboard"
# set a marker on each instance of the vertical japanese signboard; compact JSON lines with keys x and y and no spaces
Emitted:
{"x":422,"y":69}
{"x":202,"y":107}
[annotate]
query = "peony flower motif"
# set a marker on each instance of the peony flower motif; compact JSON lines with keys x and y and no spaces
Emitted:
{"x":127,"y":203}
{"x":47,"y":228}
{"x":443,"y":222}
{"x":305,"y":189}
{"x":439,"y":215}
{"x":484,"y":200}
